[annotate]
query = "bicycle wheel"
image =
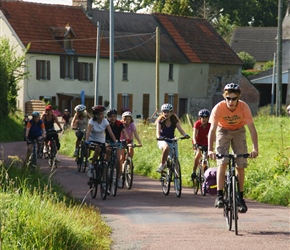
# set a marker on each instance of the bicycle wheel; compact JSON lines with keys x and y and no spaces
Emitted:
{"x":104,"y":180}
{"x":79,"y":159}
{"x":53,"y":155}
{"x":202,"y":184}
{"x":228,"y":209}
{"x":93,"y":184}
{"x":166,"y":180}
{"x":128,"y":172}
{"x":235,"y":209}
{"x":114,"y":177}
{"x":195,"y":181}
{"x":83,"y":158}
{"x":177,"y":177}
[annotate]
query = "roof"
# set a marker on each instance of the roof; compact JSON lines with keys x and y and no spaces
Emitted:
{"x":266,"y":77}
{"x":259,"y":42}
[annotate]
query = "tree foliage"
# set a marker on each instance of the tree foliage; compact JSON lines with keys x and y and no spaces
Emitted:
{"x":248,"y":60}
{"x":11,"y":72}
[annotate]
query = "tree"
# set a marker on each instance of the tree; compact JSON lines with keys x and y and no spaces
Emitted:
{"x":248,"y":60}
{"x":11,"y":72}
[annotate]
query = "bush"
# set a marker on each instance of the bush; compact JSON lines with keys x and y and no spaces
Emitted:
{"x":248,"y":60}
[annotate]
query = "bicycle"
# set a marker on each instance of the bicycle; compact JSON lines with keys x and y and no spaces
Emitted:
{"x":198,"y":181}
{"x":32,"y":160}
{"x":231,"y":191}
{"x":99,"y":173}
{"x":52,"y":148}
{"x":82,"y":158}
{"x":128,"y":167}
{"x":173,"y":170}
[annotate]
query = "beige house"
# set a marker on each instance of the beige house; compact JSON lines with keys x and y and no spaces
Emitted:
{"x":195,"y":62}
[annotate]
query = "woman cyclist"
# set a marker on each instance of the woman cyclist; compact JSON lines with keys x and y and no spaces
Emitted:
{"x":34,"y":130}
{"x":166,"y":124}
{"x":96,"y":132}
{"x":80,"y":121}
{"x":199,"y":137}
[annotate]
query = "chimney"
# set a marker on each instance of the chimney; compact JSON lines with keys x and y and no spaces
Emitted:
{"x":85,"y":4}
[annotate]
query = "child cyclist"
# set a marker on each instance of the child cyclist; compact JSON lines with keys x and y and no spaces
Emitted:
{"x":199,"y":137}
{"x":166,"y":124}
{"x":131,"y":130}
{"x":117,"y":127}
{"x":96,"y":132}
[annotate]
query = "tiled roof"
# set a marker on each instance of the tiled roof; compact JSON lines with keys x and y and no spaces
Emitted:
{"x":259,"y":42}
{"x":33,"y":23}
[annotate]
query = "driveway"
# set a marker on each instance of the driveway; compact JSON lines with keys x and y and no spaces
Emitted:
{"x":144,"y":218}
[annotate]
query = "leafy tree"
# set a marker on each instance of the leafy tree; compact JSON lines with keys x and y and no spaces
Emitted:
{"x":11,"y":72}
{"x":268,"y":65}
{"x":248,"y":60}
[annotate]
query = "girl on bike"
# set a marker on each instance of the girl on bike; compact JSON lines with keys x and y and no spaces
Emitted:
{"x":80,"y":123}
{"x":166,"y":124}
{"x":65,"y":119}
{"x":131,"y":130}
{"x":199,"y":137}
{"x":228,"y":119}
{"x":49,"y":119}
{"x":96,"y":132}
{"x":35,"y":129}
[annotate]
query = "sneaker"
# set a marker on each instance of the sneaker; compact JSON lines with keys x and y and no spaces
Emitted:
{"x":76,"y":152}
{"x":161,"y":167}
{"x":120,"y":182}
{"x":219,"y":202}
{"x":193,"y":176}
{"x":90,"y":171}
{"x":242,"y":206}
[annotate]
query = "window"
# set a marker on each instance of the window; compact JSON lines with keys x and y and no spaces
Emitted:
{"x":170,"y":73}
{"x":42,"y":70}
{"x":85,"y":71}
{"x":172,"y":99}
{"x":125,"y":72}
{"x":68,"y":44}
{"x":69,"y":67}
{"x":125,"y":102}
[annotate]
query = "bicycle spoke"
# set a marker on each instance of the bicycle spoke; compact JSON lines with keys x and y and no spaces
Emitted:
{"x":177,"y":177}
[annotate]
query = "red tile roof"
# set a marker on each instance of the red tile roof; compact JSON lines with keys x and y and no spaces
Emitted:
{"x":33,"y":24}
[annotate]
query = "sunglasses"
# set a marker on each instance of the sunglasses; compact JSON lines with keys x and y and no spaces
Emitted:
{"x":231,"y":98}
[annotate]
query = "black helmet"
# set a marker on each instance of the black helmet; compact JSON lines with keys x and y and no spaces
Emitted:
{"x":111,"y":112}
{"x":98,"y":109}
{"x":204,"y":113}
{"x":233,"y":86}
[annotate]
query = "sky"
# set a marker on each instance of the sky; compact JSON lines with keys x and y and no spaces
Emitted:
{"x":64,"y":2}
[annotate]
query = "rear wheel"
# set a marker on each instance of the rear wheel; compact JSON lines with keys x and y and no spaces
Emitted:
{"x":202,"y":184}
{"x":195,"y":182}
{"x":128,"y":172}
{"x":104,"y":180}
{"x":93,"y":184}
{"x":114,"y":177}
{"x":177,"y":177}
{"x":235,"y":209}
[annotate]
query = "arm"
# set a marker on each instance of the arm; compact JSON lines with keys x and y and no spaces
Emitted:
{"x":73,"y":122}
{"x":111,"y":133}
{"x":254,"y":137}
{"x":158,"y":129}
{"x":125,"y":133}
{"x":211,"y":138}
{"x":194,"y":135}
{"x":181,"y":131}
{"x":137,"y":137}
{"x":88,"y":132}
{"x":57,"y":122}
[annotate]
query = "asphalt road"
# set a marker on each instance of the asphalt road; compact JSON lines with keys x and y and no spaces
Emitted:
{"x":144,"y":218}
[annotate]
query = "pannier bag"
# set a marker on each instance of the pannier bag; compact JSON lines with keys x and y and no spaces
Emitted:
{"x":209,"y":184}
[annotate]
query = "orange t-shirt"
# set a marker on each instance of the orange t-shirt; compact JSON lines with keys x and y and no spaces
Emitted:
{"x":231,"y":120}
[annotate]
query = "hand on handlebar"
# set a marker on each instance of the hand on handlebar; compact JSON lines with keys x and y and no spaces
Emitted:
{"x":211,"y":155}
{"x":253,"y":154}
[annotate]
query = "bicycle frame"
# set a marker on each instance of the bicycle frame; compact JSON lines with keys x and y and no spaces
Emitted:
{"x":83,"y":153}
{"x":52,"y":148}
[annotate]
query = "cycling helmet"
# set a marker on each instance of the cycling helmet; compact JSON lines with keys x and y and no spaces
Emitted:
{"x":98,"y":109}
{"x":66,"y":110}
{"x":204,"y":113}
{"x":166,"y":107}
{"x":35,"y":114}
{"x":232,"y":86}
{"x":127,"y":113}
{"x":48,"y":107}
{"x":111,"y":112}
{"x":80,"y":108}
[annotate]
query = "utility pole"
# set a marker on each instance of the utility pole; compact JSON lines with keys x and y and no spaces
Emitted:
{"x":112,"y":101}
{"x":96,"y":101}
{"x":157,"y":68}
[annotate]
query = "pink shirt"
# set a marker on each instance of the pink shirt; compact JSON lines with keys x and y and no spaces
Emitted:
{"x":231,"y":120}
{"x":130,"y":131}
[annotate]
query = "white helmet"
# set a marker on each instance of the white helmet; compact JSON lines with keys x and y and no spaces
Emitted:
{"x":166,"y":107}
{"x":80,"y":108}
{"x":127,"y":113}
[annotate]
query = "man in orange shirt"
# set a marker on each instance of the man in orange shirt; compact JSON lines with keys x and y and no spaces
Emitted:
{"x":228,"y":119}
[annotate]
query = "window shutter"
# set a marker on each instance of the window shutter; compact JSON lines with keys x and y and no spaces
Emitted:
{"x":100,"y":101}
{"x":62,"y":67}
{"x":48,"y":70}
{"x":119,"y":104}
{"x":166,"y":98}
{"x":131,"y":102}
{"x":80,"y":71}
{"x":75,"y":67}
{"x":37,"y":69}
{"x":91,"y":72}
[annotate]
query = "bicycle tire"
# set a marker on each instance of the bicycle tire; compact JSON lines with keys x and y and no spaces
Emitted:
{"x":202,"y":184}
{"x":83,"y":159}
{"x":114,"y":177}
{"x":228,"y":209}
{"x":93,"y":184}
{"x":195,"y":182}
{"x":104,"y":180}
{"x":78,"y":159}
{"x":128,"y":173}
{"x":177,"y":177}
{"x":166,"y":180}
{"x":235,"y":209}
{"x":53,"y":153}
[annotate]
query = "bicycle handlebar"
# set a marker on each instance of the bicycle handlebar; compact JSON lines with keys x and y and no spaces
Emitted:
{"x":232,"y":156}
{"x":172,"y":139}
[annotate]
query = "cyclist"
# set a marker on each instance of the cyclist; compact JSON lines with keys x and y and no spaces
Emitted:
{"x":96,"y":132}
{"x":199,"y":137}
{"x":166,"y":124}
{"x":49,"y":119}
{"x":227,"y":120}
{"x":25,"y":121}
{"x":131,"y":130}
{"x":35,"y":129}
{"x":80,"y":120}
{"x":117,"y":127}
{"x":65,"y":118}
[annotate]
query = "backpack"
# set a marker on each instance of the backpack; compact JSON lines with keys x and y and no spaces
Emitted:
{"x":209,"y":184}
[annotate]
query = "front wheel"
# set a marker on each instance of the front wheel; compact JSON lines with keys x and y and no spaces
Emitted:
{"x":128,"y":169}
{"x":228,"y":208}
{"x":165,"y":180}
{"x":196,"y":183}
{"x":177,"y":177}
{"x":84,"y":158}
{"x":114,"y":173}
{"x":235,"y":209}
{"x":104,"y":180}
{"x":93,"y":184}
